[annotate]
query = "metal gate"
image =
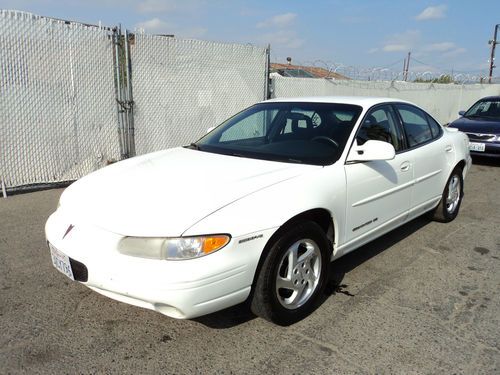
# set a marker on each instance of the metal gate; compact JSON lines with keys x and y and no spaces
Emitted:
{"x":183,"y":87}
{"x":58,"y":118}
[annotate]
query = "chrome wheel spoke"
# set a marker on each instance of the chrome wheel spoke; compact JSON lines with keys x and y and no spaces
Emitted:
{"x":284,"y":283}
{"x":308,"y":254}
{"x":297,"y":294}
{"x":298,"y":274}
{"x":453,"y":197}
{"x":292,"y":259}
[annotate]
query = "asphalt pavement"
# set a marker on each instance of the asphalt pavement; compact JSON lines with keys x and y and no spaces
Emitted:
{"x":421,"y":299}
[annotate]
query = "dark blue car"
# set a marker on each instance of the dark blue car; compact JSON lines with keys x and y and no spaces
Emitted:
{"x":481,"y":123}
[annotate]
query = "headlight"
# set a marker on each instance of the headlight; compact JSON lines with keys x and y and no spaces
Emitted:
{"x":172,"y":248}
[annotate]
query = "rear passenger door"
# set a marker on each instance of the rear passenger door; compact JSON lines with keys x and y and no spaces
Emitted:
{"x":430,"y":155}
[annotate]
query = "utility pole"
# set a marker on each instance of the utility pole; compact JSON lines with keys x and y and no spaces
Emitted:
{"x":492,"y":57}
{"x":406,"y":67}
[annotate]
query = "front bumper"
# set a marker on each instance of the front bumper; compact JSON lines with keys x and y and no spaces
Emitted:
{"x":491,"y":149}
{"x":180,"y":289}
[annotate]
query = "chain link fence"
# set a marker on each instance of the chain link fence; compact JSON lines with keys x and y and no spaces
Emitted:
{"x":75,"y":97}
{"x":443,"y":101}
{"x":183,"y":87}
{"x":57,"y":99}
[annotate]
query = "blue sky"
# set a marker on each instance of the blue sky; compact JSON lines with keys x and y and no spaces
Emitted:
{"x":442,"y":35}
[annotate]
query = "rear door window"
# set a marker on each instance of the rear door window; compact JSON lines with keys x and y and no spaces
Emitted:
{"x":415,"y":124}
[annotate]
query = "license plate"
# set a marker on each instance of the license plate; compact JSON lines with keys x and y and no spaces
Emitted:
{"x":474,"y":146}
{"x":61,"y":262}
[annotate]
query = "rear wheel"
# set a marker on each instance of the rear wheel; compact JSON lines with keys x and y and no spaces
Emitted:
{"x":293,"y":275}
{"x":448,"y":207}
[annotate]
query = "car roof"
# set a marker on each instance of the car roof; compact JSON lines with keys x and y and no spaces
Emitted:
{"x":493,"y":97}
{"x":364,"y":101}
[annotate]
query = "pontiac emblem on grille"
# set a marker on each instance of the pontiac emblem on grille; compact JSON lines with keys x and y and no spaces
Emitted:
{"x":70,"y":228}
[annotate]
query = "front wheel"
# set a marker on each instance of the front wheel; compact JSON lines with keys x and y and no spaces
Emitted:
{"x":448,"y":207}
{"x":293,"y":274}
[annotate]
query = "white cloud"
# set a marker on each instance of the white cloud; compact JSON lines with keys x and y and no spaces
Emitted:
{"x":434,"y":12}
{"x":445,"y":49}
{"x":440,"y":47}
{"x":402,"y":42}
{"x":155,"y":26}
{"x":279,"y":21}
{"x":283,"y":38}
{"x":395,"y":47}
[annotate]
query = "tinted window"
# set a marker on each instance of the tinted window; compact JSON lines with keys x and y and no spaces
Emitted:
{"x":380,"y":125}
{"x":312,"y":133}
{"x":415,"y":124}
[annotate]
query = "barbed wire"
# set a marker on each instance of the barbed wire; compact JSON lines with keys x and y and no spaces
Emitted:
{"x":429,"y":73}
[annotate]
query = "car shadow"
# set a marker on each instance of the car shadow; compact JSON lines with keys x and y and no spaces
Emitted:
{"x":352,"y":260}
{"x":241,"y":313}
{"x":484,"y":160}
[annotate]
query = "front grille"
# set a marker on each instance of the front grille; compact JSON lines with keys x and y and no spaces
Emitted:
{"x":481,"y":137}
{"x":80,"y":272}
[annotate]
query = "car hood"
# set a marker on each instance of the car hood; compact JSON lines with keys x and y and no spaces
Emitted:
{"x":165,"y":193}
{"x":477,"y":125}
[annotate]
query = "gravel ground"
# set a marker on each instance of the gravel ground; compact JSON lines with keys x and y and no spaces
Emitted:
{"x":422,"y":299}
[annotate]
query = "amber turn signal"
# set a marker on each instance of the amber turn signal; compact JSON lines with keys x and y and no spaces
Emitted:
{"x":214,"y":243}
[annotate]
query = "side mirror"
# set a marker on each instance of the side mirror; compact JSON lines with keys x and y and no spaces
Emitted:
{"x":210,"y":129}
{"x":371,"y":150}
{"x":461,"y":113}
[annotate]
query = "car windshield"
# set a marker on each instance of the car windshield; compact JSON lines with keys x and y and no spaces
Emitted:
{"x":485,"y":108}
{"x":310,"y":133}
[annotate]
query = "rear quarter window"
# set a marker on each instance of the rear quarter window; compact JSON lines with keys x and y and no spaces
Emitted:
{"x":436,"y":129}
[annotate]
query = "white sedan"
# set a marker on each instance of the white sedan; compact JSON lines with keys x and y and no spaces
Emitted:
{"x":256,"y":209}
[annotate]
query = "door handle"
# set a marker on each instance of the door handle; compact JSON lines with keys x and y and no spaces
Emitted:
{"x":405,"y":166}
{"x":448,"y":148}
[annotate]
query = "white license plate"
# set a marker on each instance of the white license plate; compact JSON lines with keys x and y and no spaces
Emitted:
{"x":61,"y":262}
{"x":475,"y":146}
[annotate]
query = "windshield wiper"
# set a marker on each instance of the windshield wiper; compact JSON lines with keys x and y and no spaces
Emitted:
{"x":482,"y":115}
{"x":237,"y":155}
{"x":193,"y":146}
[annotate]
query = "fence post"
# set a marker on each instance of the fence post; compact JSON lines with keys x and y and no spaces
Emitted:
{"x":124,"y":97}
{"x":4,"y":191}
{"x":267,"y":89}
{"x":130,"y":98}
{"x":117,"y":36}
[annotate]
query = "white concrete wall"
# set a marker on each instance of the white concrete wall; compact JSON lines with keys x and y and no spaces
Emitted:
{"x":443,"y":101}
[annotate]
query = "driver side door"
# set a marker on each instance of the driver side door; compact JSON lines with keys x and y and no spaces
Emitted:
{"x":378,"y":192}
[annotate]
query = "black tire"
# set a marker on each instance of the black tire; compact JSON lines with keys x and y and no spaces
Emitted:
{"x":279,"y":305}
{"x":448,"y":207}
